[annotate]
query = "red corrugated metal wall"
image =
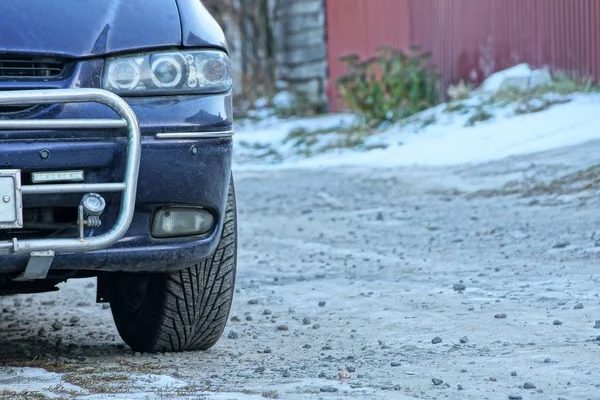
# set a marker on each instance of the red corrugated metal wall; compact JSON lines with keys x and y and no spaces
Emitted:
{"x":469,"y":38}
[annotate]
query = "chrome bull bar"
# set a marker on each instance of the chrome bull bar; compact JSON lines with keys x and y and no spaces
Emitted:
{"x":42,"y":251}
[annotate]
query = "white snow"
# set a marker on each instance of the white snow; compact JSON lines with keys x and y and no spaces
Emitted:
{"x":33,"y":380}
{"x":284,"y":99}
{"x":445,"y":141}
{"x":520,"y":77}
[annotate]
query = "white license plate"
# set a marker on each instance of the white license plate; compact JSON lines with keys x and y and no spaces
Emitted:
{"x":11,"y":205}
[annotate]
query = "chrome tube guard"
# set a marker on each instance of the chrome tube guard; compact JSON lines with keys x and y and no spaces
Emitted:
{"x":42,"y":251}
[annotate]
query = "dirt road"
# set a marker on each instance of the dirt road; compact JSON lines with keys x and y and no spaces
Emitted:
{"x":367,"y":284}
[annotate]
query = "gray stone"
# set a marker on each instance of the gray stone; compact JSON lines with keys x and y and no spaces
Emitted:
{"x":303,"y":7}
{"x":308,"y":37}
{"x":305,"y":54}
{"x":305,"y":71}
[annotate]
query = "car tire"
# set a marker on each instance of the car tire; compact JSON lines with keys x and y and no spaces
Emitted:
{"x":184,"y":310}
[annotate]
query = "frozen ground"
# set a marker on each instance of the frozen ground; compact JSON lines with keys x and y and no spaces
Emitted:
{"x":346,"y":278}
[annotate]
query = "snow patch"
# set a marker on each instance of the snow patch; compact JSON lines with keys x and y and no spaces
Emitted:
{"x":433,"y":138}
{"x":33,"y":380}
{"x":284,"y":100}
{"x":520,"y":77}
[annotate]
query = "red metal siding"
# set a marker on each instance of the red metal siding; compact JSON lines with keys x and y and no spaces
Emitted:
{"x":360,"y":27}
{"x":469,"y":38}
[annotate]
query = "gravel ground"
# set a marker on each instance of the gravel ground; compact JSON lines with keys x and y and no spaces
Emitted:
{"x":370,"y":284}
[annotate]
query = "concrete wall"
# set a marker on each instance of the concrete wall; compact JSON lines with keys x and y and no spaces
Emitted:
{"x":299,"y":29}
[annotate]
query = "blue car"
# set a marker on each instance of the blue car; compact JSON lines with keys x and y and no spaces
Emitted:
{"x":115,"y":162}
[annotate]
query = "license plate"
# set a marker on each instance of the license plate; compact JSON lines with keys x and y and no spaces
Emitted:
{"x":11,"y":205}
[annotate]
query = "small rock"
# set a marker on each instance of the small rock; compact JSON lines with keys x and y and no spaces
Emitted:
{"x":464,"y":339}
{"x":597,"y":326}
{"x":437,"y":381}
{"x":270,"y":394}
{"x":515,"y":397}
{"x":459,"y":287}
{"x":267,"y":312}
{"x":286,"y":373}
{"x":500,"y":316}
{"x":351,"y":369}
{"x":436,"y":340}
{"x":460,"y":387}
{"x":322,"y":303}
{"x":57,"y":326}
{"x":84,"y":304}
{"x":74,"y":319}
{"x":514,"y":373}
{"x":42,"y":332}
{"x":316,"y":326}
{"x":232,"y":335}
{"x":48,"y":303}
{"x":322,"y":375}
{"x":105,"y":306}
{"x":307,"y":346}
{"x":282,"y":328}
{"x":90,"y":285}
{"x":395,"y":364}
{"x":578,"y":306}
{"x":305,"y":321}
{"x":379,"y":216}
{"x":259,"y":370}
{"x":248,"y":317}
{"x":328,"y":389}
{"x":235,"y":318}
{"x":557,"y":322}
{"x":528,"y":385}
{"x":561,"y":245}
{"x":253,"y":301}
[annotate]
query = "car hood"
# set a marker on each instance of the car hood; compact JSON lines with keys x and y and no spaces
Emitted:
{"x":84,"y":28}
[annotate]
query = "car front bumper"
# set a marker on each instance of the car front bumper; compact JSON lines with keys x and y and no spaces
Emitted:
{"x":185,"y":160}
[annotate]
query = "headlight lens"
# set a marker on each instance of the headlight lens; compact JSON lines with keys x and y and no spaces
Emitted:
{"x":192,"y":72}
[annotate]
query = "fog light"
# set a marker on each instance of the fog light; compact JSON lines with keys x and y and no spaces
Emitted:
{"x":173,"y":222}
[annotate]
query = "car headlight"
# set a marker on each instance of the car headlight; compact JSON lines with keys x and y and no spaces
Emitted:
{"x":181,"y":72}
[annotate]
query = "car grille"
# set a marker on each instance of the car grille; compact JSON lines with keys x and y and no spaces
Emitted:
{"x":27,"y":69}
{"x":18,"y":67}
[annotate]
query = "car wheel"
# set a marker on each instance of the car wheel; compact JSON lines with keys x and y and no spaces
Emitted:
{"x":183,"y":310}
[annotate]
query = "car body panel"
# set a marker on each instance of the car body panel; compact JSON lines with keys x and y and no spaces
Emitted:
{"x":85,"y":28}
{"x":198,"y":27}
{"x":170,"y":172}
